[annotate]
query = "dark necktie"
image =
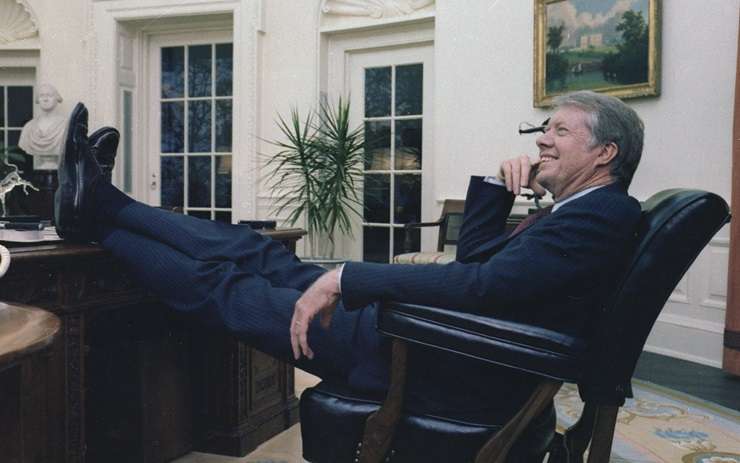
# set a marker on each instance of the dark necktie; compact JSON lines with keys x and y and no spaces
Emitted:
{"x":530,"y":220}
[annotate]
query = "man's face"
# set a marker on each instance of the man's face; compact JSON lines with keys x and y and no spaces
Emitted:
{"x":567,"y":160}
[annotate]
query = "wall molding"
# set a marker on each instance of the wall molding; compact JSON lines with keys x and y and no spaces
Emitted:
{"x":17,"y":21}
{"x":720,"y":242}
{"x":354,"y":15}
{"x":680,"y":293}
{"x":375,"y":9}
{"x":692,"y":323}
{"x":716,"y":274}
{"x":683,"y":356}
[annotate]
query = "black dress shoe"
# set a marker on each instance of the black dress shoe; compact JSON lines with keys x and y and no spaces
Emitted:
{"x":103,"y":145}
{"x":78,"y":173}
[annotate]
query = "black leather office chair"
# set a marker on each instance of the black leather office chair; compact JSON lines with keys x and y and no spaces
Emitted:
{"x":339,"y":425}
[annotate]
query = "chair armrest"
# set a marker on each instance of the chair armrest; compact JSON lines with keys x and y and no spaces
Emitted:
{"x":523,"y":347}
{"x":424,"y":224}
{"x":407,"y":236}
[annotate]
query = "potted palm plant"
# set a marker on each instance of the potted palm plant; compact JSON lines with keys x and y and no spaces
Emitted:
{"x":316,"y":172}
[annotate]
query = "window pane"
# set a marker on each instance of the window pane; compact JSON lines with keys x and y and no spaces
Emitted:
{"x":407,"y":207}
{"x":201,"y":214}
{"x":199,"y":126}
{"x":224,"y":69}
{"x":2,"y":106}
{"x":127,"y":133}
{"x":172,"y":181}
{"x":172,"y":127}
{"x":199,"y":70}
{"x":399,"y":240}
{"x":223,"y":216}
{"x":13,"y":137}
{"x":408,"y":144}
{"x":173,"y":65}
{"x":375,"y":244}
{"x":223,"y":126}
{"x":377,"y":145}
{"x":199,"y":181}
{"x":16,"y":155}
{"x":377,"y":198}
{"x":378,"y":92}
{"x":409,"y":88}
{"x":223,"y":181}
{"x":20,"y":105}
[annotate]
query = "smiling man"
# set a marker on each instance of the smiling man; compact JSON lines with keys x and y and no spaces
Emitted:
{"x":551,"y":272}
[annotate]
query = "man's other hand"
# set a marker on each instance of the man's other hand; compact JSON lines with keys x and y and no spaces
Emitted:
{"x":518,"y":173}
{"x":321,"y":297}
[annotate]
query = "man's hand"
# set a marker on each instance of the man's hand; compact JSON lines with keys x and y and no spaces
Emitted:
{"x":518,"y":173}
{"x":321,"y":297}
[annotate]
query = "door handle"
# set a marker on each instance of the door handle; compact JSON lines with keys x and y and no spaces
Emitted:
{"x":153,"y":184}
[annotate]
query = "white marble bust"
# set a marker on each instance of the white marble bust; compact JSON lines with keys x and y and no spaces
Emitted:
{"x":42,"y":137}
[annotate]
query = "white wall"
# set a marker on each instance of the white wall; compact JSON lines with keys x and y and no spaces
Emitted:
{"x":484,"y":57}
{"x":484,"y":71}
{"x":288,"y":75}
{"x":65,"y":65}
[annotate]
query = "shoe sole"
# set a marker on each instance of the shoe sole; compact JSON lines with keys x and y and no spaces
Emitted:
{"x":66,"y":207}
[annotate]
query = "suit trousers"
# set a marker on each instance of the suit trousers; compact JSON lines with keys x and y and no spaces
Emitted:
{"x":231,"y":277}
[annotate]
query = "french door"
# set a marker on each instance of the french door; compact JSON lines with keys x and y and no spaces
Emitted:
{"x":190,"y":139}
{"x":391,"y":93}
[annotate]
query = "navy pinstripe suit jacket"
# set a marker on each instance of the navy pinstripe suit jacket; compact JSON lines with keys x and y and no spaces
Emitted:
{"x":553,"y":274}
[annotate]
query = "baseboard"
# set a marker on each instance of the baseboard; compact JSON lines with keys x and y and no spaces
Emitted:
{"x":683,"y":356}
{"x":692,"y":323}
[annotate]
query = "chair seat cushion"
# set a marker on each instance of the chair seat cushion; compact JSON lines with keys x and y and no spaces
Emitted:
{"x":424,"y":258}
{"x":523,"y":347}
{"x":333,"y":419}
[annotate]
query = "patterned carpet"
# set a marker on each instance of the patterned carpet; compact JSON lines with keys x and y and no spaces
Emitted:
{"x":662,"y":425}
{"x":658,"y":425}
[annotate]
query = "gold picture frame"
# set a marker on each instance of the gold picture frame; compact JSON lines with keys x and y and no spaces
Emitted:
{"x":596,"y":45}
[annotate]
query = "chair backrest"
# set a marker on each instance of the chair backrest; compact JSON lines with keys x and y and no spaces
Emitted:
{"x":452,"y":218}
{"x":676,"y":225}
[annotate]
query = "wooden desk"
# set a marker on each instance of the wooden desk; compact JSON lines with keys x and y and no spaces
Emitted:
{"x":24,"y":332}
{"x":130,"y":380}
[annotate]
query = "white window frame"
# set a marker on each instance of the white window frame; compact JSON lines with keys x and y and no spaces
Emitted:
{"x":337,"y":49}
{"x":156,"y":18}
{"x":395,"y":58}
{"x":156,"y":42}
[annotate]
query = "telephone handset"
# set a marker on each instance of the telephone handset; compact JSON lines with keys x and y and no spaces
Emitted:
{"x":527,"y":128}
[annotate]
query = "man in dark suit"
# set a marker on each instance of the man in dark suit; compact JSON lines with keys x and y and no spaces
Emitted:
{"x":553,"y":273}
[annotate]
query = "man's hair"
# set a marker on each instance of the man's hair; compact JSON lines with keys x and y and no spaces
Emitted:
{"x":611,"y":121}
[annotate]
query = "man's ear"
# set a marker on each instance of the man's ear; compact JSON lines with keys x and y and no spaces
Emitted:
{"x":608,"y":152}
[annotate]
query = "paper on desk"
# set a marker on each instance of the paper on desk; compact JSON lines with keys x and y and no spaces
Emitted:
{"x":29,"y":236}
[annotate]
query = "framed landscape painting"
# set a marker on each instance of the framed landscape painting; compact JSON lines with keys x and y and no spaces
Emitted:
{"x":608,"y":46}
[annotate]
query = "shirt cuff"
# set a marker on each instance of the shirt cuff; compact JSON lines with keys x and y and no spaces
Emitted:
{"x":494,"y":181}
{"x":339,"y":277}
